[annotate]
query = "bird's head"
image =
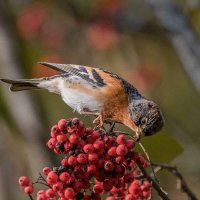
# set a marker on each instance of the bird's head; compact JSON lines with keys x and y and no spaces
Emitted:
{"x":147,"y":117}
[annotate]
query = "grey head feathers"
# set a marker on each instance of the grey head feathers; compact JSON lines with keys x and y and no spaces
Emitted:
{"x":147,"y":115}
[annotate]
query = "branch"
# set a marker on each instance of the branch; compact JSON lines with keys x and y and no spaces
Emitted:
{"x":181,"y":184}
{"x":162,"y":193}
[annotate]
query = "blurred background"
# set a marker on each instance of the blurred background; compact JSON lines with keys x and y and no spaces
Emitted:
{"x":154,"y":44}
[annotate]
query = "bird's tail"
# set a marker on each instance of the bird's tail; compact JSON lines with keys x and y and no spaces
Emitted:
{"x":23,"y":84}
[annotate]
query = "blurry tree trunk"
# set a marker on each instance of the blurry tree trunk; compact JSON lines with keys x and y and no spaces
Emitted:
{"x":25,"y":118}
{"x":182,"y":35}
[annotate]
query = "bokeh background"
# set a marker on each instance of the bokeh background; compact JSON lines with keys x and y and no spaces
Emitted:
{"x":154,"y":44}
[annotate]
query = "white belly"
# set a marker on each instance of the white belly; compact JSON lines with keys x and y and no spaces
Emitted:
{"x":81,"y":102}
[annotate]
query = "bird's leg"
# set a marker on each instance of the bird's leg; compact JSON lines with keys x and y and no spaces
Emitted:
{"x":112,"y":126}
{"x":98,"y":122}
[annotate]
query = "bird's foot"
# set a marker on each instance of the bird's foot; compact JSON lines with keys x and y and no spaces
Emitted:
{"x":98,"y":122}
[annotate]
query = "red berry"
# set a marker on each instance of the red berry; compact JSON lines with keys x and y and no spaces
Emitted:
{"x":57,"y":186}
{"x":88,"y":131}
{"x":119,"y":159}
{"x":134,"y":189}
{"x":71,"y":130}
{"x":52,"y":143}
{"x":98,"y":145}
{"x":107,"y":185}
{"x":82,"y":158}
{"x":64,"y":161}
{"x":93,"y":158}
{"x":95,"y":134}
{"x":136,"y":172}
{"x":136,"y":182}
{"x":99,"y":176}
{"x":62,"y":124}
{"x":41,"y":197}
{"x":68,"y":145}
{"x":130,"y":144}
{"x":69,"y":193}
{"x":80,"y":144}
{"x":120,"y":183}
{"x":119,"y":168}
{"x":75,"y":121}
{"x":29,"y":189}
{"x":120,"y":139}
{"x":72,"y":160}
{"x":130,"y":197}
{"x":52,"y":178}
{"x":88,"y":148}
{"x":70,"y":180}
{"x":121,"y":150}
{"x":147,"y":184}
{"x":41,"y":192}
{"x":55,"y":131}
{"x":46,"y":170}
{"x":128,"y":178}
{"x":109,"y":166}
{"x":61,"y":138}
{"x":91,"y":169}
{"x":98,"y":188}
{"x":64,"y":176}
{"x":50,"y":193}
{"x":23,"y":181}
{"x":100,"y":163}
{"x":74,"y":138}
{"x":118,"y":191}
{"x":90,"y":140}
{"x":86,"y":184}
{"x":81,"y":130}
{"x":61,"y":194}
{"x":78,"y":186}
{"x":146,"y":194}
{"x":112,"y":151}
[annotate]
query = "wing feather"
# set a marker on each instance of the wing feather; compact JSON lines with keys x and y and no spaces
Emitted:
{"x":97,"y":78}
{"x":86,"y":73}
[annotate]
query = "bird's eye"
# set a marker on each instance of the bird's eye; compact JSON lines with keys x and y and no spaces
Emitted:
{"x":143,"y":121}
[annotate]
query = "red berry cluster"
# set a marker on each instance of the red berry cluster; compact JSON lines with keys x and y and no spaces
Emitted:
{"x":95,"y":163}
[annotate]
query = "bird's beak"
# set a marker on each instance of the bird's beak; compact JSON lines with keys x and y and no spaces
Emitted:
{"x":139,"y":133}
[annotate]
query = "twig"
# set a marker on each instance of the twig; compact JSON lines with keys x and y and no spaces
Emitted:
{"x":30,"y":197}
{"x":147,"y":157}
{"x":161,"y":192}
{"x":181,"y":184}
{"x":112,"y":126}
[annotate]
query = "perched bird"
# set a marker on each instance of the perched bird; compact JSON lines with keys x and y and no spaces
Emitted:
{"x":94,"y":91}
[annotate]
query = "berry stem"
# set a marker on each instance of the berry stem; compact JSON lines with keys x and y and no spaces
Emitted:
{"x":147,"y":157}
{"x":112,"y":126}
{"x":30,"y":196}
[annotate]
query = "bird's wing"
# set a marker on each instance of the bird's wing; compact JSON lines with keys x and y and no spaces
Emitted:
{"x":95,"y":77}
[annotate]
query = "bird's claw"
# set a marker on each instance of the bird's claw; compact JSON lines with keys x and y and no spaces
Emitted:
{"x":98,"y":122}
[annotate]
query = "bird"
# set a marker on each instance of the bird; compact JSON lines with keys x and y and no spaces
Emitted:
{"x":98,"y":92}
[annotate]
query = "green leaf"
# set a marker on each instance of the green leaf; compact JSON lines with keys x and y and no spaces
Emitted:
{"x":161,"y":147}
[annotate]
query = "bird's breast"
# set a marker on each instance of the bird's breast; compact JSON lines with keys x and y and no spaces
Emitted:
{"x":81,"y":102}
